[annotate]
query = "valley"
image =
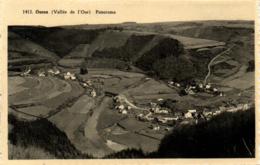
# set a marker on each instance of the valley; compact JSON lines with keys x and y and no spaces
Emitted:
{"x":115,"y":87}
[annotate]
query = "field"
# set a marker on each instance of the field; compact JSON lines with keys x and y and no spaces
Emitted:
{"x":93,"y":125}
{"x":149,"y":73}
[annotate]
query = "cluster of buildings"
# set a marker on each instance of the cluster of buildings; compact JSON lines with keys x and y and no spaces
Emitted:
{"x":233,"y":108}
{"x":41,"y":73}
{"x":163,"y":116}
{"x":69,"y":76}
{"x":88,"y":85}
{"x":193,"y":88}
{"x":66,"y":76}
{"x":120,"y":105}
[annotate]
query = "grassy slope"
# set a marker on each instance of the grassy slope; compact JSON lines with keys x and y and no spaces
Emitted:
{"x":40,"y":134}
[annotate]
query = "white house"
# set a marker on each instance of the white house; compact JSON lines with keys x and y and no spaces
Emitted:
{"x":215,"y":89}
{"x":41,"y":74}
{"x":50,"y":71}
{"x":84,"y":84}
{"x":160,"y":99}
{"x":121,"y":107}
{"x":171,"y":118}
{"x":192,"y":110}
{"x":208,"y":86}
{"x":73,"y":77}
{"x":177,"y":84}
{"x":124,"y":112}
{"x":93,"y":93}
{"x":246,"y":107}
{"x":188,"y":115}
{"x":56,"y":72}
{"x":156,"y":128}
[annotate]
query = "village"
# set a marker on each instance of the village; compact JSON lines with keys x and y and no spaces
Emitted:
{"x":158,"y":115}
{"x":194,"y":87}
{"x":90,"y":89}
{"x":154,"y":113}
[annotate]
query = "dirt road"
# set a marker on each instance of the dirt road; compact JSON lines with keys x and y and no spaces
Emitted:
{"x":212,"y":60}
{"x":97,"y":145}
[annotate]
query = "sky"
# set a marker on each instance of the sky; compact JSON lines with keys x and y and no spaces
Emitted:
{"x":141,"y":11}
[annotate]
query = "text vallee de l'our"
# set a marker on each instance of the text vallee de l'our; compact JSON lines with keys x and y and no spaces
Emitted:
{"x":62,"y":11}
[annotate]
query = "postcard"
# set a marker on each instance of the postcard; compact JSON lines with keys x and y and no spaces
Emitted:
{"x":129,"y":82}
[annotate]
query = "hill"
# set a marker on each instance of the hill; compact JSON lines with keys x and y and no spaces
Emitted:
{"x":149,"y":51}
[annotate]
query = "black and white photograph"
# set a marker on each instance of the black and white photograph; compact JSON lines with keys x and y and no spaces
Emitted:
{"x":132,"y":90}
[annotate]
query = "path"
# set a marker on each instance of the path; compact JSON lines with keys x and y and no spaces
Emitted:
{"x":212,"y":60}
{"x":97,"y":145}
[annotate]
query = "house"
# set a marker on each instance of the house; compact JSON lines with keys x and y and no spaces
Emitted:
{"x":208,"y":86}
{"x":129,"y":107}
{"x":93,"y":93}
{"x":215,"y":89}
{"x":192,"y":87}
{"x":73,"y":77}
{"x":192,"y":110}
{"x":217,"y":112}
{"x":84,"y":85}
{"x":160,"y":99}
{"x":207,"y":113}
{"x":201,"y":86}
{"x":56,"y":71}
{"x":246,"y":107}
{"x":156,"y":128}
{"x":170,"y":82}
{"x":50,"y":71}
{"x":177,"y":85}
{"x":171,"y":118}
{"x":158,"y":111}
{"x":124,"y":112}
{"x":69,"y":75}
{"x":188,"y":115}
{"x":42,"y":74}
{"x":121,"y":107}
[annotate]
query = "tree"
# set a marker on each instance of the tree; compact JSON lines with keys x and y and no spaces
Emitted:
{"x":83,"y":68}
